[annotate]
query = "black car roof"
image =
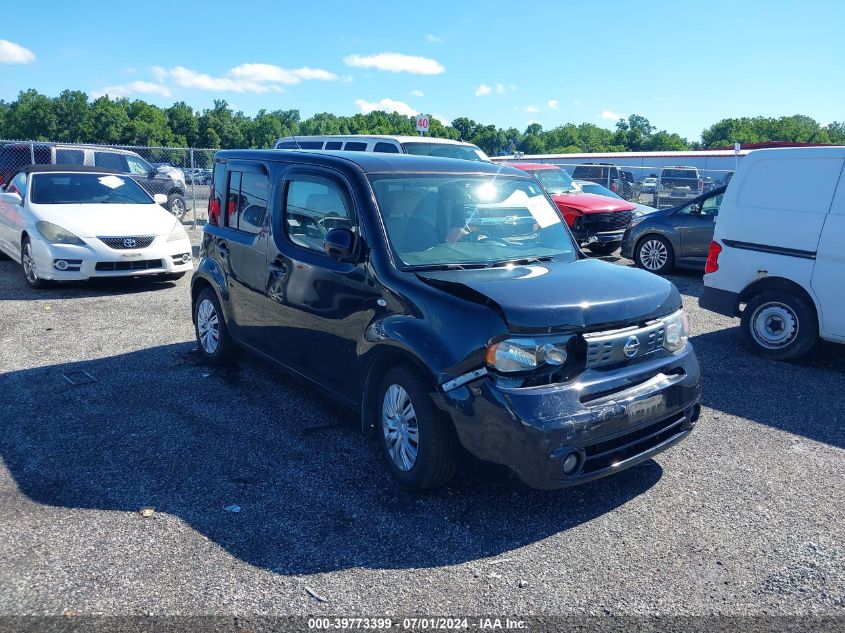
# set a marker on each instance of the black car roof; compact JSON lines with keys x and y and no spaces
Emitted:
{"x":37,"y":169}
{"x":373,"y":162}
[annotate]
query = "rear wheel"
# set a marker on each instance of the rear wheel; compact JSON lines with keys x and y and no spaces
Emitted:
{"x":418,"y":443}
{"x":780,"y":325}
{"x":655,"y":254}
{"x":215,"y":344}
{"x":603,"y":249}
{"x":30,"y":272}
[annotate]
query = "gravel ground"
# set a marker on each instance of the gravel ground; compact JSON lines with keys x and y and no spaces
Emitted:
{"x":744,"y":517}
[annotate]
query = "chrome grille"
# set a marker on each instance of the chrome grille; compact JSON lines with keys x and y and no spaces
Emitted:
{"x":127,"y":243}
{"x":610,"y":347}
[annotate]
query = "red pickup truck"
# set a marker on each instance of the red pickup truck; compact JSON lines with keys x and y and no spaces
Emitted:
{"x":597,"y":222}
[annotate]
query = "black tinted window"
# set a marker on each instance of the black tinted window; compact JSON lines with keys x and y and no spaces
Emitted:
{"x":311,"y":144}
{"x":354,"y":146}
{"x":70,"y":157}
{"x":232,"y":200}
{"x":247,"y":201}
{"x":387,"y":148}
{"x":286,"y":145}
{"x":314,"y":206}
{"x":111,"y":161}
{"x":334,"y":145}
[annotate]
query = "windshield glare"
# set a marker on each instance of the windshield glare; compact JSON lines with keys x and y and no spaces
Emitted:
{"x":555,"y":180}
{"x":86,"y":189}
{"x":451,"y":220}
{"x":446,"y":150}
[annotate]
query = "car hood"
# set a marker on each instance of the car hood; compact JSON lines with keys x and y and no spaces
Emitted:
{"x":552,"y":296}
{"x":113,"y":220}
{"x":591,"y":203}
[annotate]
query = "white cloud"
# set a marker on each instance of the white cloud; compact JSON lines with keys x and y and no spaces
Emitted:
{"x":576,"y":102}
{"x":483,"y":90}
{"x":553,"y":104}
{"x":416,"y":93}
{"x":387,"y":105}
{"x":500,"y":89}
{"x":11,"y":53}
{"x":136,"y":87}
{"x":187,"y":78}
{"x":255,"y":78}
{"x":443,"y":120}
{"x":434,"y":39}
{"x":159,"y":73}
{"x":610,"y":115}
{"x":528,"y":108}
{"x":268,"y":73}
{"x":396,"y":63}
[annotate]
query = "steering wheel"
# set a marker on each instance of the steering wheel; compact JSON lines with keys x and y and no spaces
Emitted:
{"x":477,"y":236}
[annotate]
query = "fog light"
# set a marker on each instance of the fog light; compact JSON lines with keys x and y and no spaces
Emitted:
{"x":570,"y":463}
{"x":60,"y":264}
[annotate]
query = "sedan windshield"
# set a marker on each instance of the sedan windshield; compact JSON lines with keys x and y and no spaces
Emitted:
{"x":446,"y":150}
{"x":71,"y":188}
{"x":470,"y":221}
{"x":555,"y":180}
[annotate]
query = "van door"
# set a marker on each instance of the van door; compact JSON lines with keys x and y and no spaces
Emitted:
{"x":829,"y":271}
{"x":315,"y":301}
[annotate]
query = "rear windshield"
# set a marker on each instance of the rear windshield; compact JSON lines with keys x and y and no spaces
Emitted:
{"x":86,"y":189}
{"x":444,"y":150}
{"x":679,"y":173}
{"x":554,"y":180}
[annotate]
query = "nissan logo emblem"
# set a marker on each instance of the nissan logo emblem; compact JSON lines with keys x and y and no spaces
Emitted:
{"x":130,"y":242}
{"x":632,"y":345}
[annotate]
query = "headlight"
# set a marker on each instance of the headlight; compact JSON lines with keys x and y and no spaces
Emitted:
{"x":178,"y":232}
{"x":55,"y":234}
{"x":677,"y":331}
{"x":523,"y":354}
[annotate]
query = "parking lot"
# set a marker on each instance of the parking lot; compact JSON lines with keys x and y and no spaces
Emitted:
{"x":268,"y":500}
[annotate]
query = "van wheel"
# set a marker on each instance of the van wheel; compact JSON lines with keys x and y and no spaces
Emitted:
{"x":655,"y":254}
{"x":215,"y":344}
{"x":780,"y":325}
{"x":176,"y":205}
{"x":418,"y":443}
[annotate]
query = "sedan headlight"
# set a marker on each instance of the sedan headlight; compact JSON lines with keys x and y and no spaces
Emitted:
{"x":523,"y":354}
{"x":178,"y":233}
{"x":677,"y":331}
{"x":55,"y":234}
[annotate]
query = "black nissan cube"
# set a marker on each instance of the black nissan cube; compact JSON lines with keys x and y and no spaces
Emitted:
{"x":448,"y":303}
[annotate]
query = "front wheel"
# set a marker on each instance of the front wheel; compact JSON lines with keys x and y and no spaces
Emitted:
{"x":176,"y":205}
{"x":603,"y":249}
{"x":655,"y":254}
{"x":420,"y":446}
{"x":30,"y":272}
{"x":780,"y":325}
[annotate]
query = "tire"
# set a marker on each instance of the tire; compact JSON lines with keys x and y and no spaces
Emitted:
{"x":780,"y":325}
{"x":30,"y":273}
{"x":655,"y":254}
{"x":176,"y":205}
{"x":208,"y":323}
{"x":603,"y":249}
{"x":433,"y":465}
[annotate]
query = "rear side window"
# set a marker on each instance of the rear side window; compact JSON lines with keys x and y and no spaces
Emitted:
{"x":386,"y":148}
{"x":70,"y":156}
{"x":246,"y":205}
{"x":110,"y":160}
{"x":334,"y":145}
{"x":311,"y":144}
{"x":215,"y":199}
{"x":355,"y":146}
{"x":313,"y":206}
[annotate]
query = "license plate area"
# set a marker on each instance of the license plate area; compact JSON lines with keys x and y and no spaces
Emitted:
{"x":648,"y":409}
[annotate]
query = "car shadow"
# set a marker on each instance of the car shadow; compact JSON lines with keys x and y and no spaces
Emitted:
{"x":801,"y":397}
{"x":689,"y":282}
{"x":306,"y":492}
{"x":12,"y":286}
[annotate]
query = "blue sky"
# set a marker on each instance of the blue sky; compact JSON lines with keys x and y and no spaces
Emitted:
{"x":684,"y":65}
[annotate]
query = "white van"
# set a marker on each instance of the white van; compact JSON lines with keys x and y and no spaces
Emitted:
{"x":778,"y":255}
{"x":419,"y":145}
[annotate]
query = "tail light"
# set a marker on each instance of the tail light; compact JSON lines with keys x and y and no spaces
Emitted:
{"x":213,"y":209}
{"x":713,"y":258}
{"x":614,"y":186}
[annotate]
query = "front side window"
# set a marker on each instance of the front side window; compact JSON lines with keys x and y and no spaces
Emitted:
{"x":71,"y":188}
{"x":18,"y":185}
{"x":110,"y":160}
{"x":386,"y":148}
{"x":711,"y":205}
{"x":312,"y":207}
{"x":138,"y":166}
{"x":470,"y":221}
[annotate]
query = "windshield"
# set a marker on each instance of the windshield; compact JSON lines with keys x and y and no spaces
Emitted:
{"x":446,"y":150}
{"x":555,"y":180}
{"x":86,"y":189}
{"x":470,"y":221}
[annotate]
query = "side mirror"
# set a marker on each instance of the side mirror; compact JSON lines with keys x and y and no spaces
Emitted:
{"x":695,"y":210}
{"x":160,"y":198}
{"x":339,"y":244}
{"x":12,"y":198}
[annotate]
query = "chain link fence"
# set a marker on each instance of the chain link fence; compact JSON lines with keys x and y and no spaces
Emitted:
{"x":183,"y":174}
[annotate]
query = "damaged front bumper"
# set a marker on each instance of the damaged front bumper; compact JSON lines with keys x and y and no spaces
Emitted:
{"x":560,"y":435}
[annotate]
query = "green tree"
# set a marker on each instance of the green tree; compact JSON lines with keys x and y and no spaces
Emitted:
{"x":109,"y":120}
{"x":74,"y":120}
{"x":31,"y":117}
{"x":183,"y":123}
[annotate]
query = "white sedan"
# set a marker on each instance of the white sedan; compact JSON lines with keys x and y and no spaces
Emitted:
{"x":73,"y":223}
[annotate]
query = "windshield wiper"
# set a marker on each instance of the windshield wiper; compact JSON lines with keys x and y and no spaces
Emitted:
{"x":521,"y":261}
{"x":424,"y":267}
